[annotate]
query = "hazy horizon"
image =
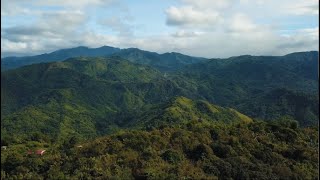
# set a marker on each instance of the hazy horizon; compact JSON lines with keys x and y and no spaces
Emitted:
{"x":24,"y":55}
{"x":202,"y":28}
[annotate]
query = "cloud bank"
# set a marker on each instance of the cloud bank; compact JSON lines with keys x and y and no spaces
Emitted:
{"x":220,"y":28}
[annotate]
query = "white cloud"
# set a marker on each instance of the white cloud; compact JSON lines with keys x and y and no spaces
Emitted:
{"x":283,"y":7}
{"x":13,"y":7}
{"x":241,"y":23}
{"x":305,"y":10}
{"x":118,"y":24}
{"x":183,"y":33}
{"x":205,"y":44}
{"x":198,"y":14}
{"x":70,"y":3}
{"x":12,"y":46}
{"x":300,"y":40}
{"x":209,"y":4}
{"x":302,"y":7}
{"x":188,"y":16}
{"x":63,"y":21}
{"x":238,"y":32}
{"x":224,"y":44}
{"x":50,"y":25}
{"x":210,"y":28}
{"x":51,"y":31}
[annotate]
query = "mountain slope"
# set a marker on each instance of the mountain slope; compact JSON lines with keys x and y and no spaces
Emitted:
{"x":163,"y":62}
{"x":282,"y":102}
{"x":59,"y":55}
{"x":80,"y":73}
{"x":238,"y":82}
{"x":231,"y":81}
{"x":88,"y":97}
{"x":196,"y":150}
{"x":163,"y":125}
{"x":78,"y":96}
{"x":181,"y":110}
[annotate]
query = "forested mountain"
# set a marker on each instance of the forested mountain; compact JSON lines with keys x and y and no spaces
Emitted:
{"x":76,"y":93}
{"x":253,"y":74}
{"x":95,"y":96}
{"x":256,"y":150}
{"x":164,"y":62}
{"x":181,"y":110}
{"x":245,"y":116}
{"x":59,"y":55}
{"x":244,"y":81}
{"x":93,"y":92}
{"x":283,"y":103}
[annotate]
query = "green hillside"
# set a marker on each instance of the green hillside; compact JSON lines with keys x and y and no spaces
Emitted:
{"x":283,"y":103}
{"x":70,"y":97}
{"x":251,"y":84}
{"x":164,"y":62}
{"x":90,"y":97}
{"x":181,"y":110}
{"x":246,"y":117}
{"x":229,"y":81}
{"x":59,"y":55}
{"x":81,"y":77}
{"x":196,"y":150}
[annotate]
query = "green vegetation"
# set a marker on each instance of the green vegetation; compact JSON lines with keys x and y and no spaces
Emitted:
{"x":90,"y":97}
{"x":245,"y":117}
{"x":260,"y":86}
{"x":164,"y":62}
{"x":72,"y":97}
{"x":283,"y":103}
{"x":256,"y":150}
{"x":182,"y":110}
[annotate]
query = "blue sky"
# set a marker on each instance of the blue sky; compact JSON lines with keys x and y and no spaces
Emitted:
{"x":207,"y":28}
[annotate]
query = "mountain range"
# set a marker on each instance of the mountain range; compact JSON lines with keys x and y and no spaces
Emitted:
{"x":102,"y":88}
{"x":165,"y":62}
{"x":80,"y":94}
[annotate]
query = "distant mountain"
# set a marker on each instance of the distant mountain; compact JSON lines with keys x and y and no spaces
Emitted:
{"x":230,"y":81}
{"x":111,"y":113}
{"x":59,"y":55}
{"x":181,"y":110}
{"x":266,"y":87}
{"x":283,"y":103}
{"x":88,"y":97}
{"x":70,"y":97}
{"x":164,"y":62}
{"x":93,"y":96}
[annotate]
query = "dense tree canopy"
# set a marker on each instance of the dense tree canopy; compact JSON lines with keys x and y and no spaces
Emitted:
{"x":246,"y":117}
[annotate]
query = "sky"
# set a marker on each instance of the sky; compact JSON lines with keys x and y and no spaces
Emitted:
{"x":204,"y":28}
